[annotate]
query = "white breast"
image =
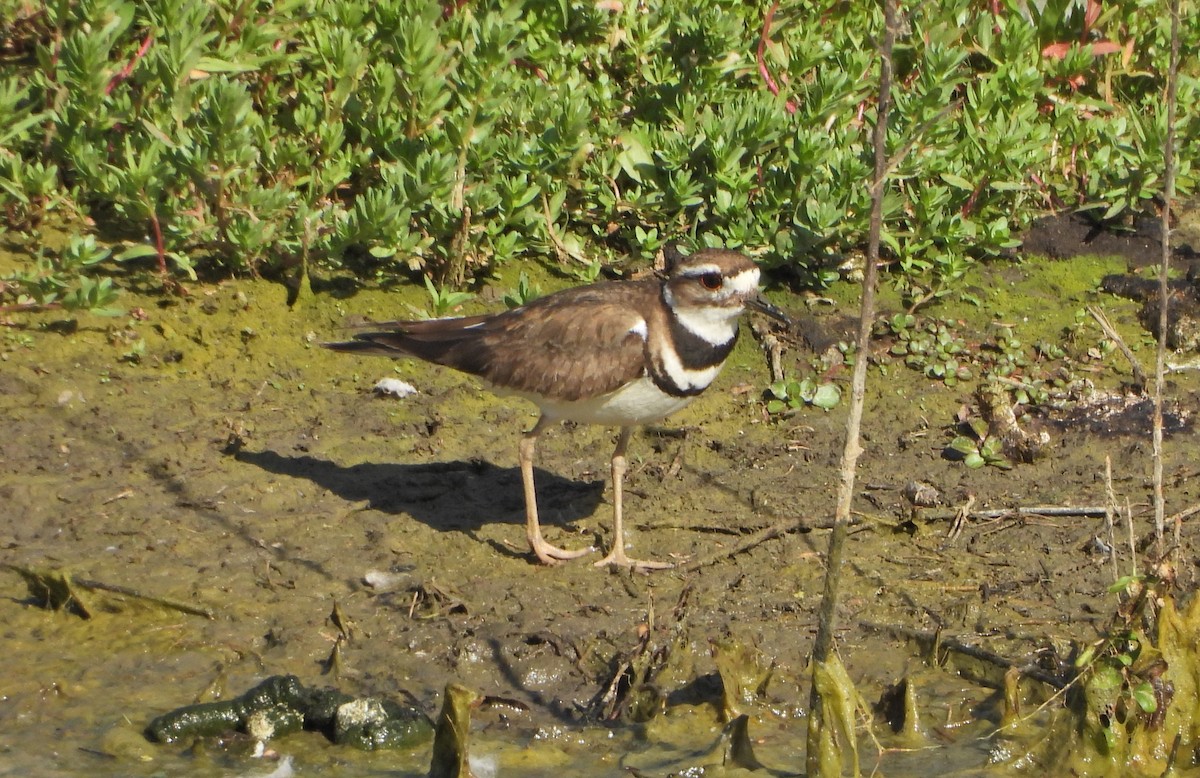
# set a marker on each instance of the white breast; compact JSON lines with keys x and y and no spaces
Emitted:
{"x":640,"y":402}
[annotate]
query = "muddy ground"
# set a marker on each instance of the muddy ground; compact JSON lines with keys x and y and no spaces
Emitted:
{"x":207,"y":451}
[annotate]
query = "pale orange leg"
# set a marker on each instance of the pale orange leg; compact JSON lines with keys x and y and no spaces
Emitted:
{"x":617,"y":555}
{"x":547,"y":553}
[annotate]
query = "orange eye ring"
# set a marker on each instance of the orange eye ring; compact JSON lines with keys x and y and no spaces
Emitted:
{"x":711,"y":281}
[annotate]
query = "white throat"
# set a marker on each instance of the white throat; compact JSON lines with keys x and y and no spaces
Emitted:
{"x":716,"y":324}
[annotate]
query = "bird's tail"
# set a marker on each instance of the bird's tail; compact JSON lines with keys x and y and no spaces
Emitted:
{"x":364,"y":344}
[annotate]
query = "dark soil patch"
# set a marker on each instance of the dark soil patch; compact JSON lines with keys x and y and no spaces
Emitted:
{"x":1072,"y":234}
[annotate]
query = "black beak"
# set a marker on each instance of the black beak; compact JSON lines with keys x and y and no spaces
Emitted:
{"x":761,"y":304}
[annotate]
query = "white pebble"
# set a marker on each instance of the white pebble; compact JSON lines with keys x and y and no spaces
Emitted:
{"x":394,"y":387}
{"x":382,"y":581}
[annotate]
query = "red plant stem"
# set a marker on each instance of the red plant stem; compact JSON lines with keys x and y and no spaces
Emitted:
{"x":761,"y":59}
{"x":1090,"y":15}
{"x":525,"y":64}
{"x":158,"y":245}
{"x":128,"y":69}
{"x":24,"y":307}
{"x":450,"y":7}
{"x":969,"y":206}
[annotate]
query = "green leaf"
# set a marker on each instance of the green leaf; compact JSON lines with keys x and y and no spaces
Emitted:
{"x":136,"y":251}
{"x":958,"y":181}
{"x":964,"y":445}
{"x":827,"y":396}
{"x":16,"y":128}
{"x":1143,"y":695}
{"x":1123,"y":583}
{"x":635,"y":159}
{"x":184,"y":263}
{"x":1119,"y":205}
{"x":980,"y":428}
{"x":213,"y":65}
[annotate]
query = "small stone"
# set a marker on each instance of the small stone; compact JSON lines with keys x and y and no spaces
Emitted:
{"x":68,"y":396}
{"x":383,"y":581}
{"x":394,"y":387}
{"x":922,"y":494}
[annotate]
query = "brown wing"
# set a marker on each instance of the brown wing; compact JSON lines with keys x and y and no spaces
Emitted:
{"x":573,"y":344}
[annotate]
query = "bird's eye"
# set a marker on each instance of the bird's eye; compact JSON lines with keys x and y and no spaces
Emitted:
{"x":711,"y":281}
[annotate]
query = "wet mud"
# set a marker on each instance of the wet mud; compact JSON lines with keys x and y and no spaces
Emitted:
{"x":207,"y":451}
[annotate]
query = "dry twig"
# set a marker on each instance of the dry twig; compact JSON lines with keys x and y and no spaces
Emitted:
{"x":776,"y":530}
{"x":1139,"y":375}
{"x":938,"y":645}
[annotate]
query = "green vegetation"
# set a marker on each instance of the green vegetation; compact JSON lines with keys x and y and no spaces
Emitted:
{"x":413,"y":137}
{"x":442,"y":300}
{"x":978,"y":446}
{"x":790,"y":395}
{"x":1130,"y":705}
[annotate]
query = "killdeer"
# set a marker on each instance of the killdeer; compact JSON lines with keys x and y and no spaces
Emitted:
{"x":620,"y":353}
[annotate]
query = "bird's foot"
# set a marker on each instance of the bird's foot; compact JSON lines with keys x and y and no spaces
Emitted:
{"x":617,"y":558}
{"x":550,"y":554}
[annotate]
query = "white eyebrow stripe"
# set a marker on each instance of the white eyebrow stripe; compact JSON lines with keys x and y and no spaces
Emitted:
{"x":700,"y":270}
{"x":745,"y":282}
{"x":639,"y":329}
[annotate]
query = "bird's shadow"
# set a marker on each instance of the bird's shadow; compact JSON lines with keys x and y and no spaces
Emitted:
{"x":455,"y":495}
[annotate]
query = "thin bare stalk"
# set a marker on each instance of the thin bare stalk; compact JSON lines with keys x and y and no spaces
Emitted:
{"x":827,"y":621}
{"x":1132,"y":540}
{"x":1160,"y":354}
{"x":1110,"y":507}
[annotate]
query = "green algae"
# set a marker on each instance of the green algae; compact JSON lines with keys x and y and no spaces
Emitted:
{"x":451,"y":744}
{"x":744,"y":673}
{"x":836,"y":729}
